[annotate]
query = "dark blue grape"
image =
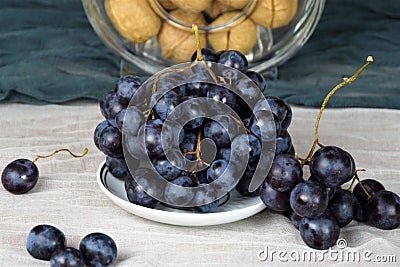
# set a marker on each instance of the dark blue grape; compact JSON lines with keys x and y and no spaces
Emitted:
{"x":253,"y":149}
{"x":153,"y":142}
{"x":223,"y":95}
{"x":132,"y":120}
{"x":172,"y":80}
{"x":291,"y":151}
{"x":44,"y":240}
{"x":295,"y":219}
{"x":246,"y":90}
{"x":359,"y":213}
{"x":194,"y":124}
{"x":193,"y":111}
{"x":98,"y":250}
{"x":262,"y":126}
{"x":258,"y":79}
{"x":265,"y":125}
{"x":112,"y":107}
{"x":229,"y":76}
{"x":383,"y":210}
{"x":208,"y":54}
{"x":134,"y":145}
{"x":243,"y":185}
{"x":165,"y":104}
{"x":209,"y":57}
{"x":189,"y":144}
{"x":20,"y":176}
{"x":197,"y":86}
{"x":274,"y":200}
{"x":68,"y":257}
{"x":278,"y":107}
{"x":119,"y":119}
{"x":184,"y":181}
{"x":200,"y":177}
{"x":110,"y":142}
{"x":285,"y":173}
{"x":342,"y":206}
{"x":166,"y":169}
{"x":216,"y":131}
{"x":207,"y":208}
{"x":246,"y":122}
{"x":211,"y":206}
{"x":224,"y":153}
{"x":288,"y":119}
{"x":175,"y":194}
{"x":99,"y":128}
{"x":321,"y":232}
{"x":234,"y":59}
{"x":372,"y":186}
{"x":332,"y":166}
{"x":172,"y":133}
{"x":216,"y":169}
{"x":126,"y":87}
{"x":105,"y":99}
{"x":329,"y":190}
{"x":135,"y":192}
{"x":118,"y":168}
{"x":309,"y":199}
{"x":283,"y":143}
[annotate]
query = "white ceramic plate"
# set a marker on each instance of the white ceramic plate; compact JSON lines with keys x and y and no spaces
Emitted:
{"x":234,"y":209}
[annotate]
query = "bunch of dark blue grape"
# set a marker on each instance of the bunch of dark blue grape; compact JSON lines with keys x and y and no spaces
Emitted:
{"x":122,"y":119}
{"x":46,"y":242}
{"x":319,"y":206}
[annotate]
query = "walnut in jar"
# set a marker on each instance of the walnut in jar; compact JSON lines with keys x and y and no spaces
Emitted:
{"x":135,"y":20}
{"x":274,"y":13}
{"x":179,"y":44}
{"x":241,"y":36}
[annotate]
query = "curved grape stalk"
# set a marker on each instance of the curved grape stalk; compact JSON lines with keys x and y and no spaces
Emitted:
{"x":346,"y":81}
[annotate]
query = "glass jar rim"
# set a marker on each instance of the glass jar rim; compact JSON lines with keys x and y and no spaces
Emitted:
{"x":243,"y":14}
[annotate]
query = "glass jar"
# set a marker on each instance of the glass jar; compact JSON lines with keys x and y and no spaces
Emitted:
{"x":275,"y":40}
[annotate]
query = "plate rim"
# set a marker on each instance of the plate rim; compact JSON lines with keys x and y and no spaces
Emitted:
{"x":178,"y":218}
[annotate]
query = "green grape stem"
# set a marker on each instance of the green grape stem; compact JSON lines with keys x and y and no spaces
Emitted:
{"x":85,"y":151}
{"x":346,"y":81}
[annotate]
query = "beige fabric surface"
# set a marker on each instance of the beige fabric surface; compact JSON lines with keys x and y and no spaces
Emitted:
{"x":68,"y":196}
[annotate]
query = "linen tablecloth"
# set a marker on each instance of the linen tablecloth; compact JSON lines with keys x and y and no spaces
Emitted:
{"x":67,"y":194}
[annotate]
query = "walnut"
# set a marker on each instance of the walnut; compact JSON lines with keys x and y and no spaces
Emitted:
{"x":192,"y":5}
{"x":274,"y":13}
{"x":135,"y":20}
{"x":241,"y":37}
{"x":179,"y":44}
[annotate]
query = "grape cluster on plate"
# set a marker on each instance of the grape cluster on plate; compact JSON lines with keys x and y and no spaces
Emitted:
{"x":318,"y":206}
{"x":115,"y":107}
{"x":47,"y":242}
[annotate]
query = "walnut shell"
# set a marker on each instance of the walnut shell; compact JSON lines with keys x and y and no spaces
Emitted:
{"x":192,"y":5}
{"x":274,"y":13}
{"x":167,"y":4}
{"x":217,"y":8}
{"x":241,"y":37}
{"x":235,"y":4}
{"x":135,"y":20}
{"x":179,"y":44}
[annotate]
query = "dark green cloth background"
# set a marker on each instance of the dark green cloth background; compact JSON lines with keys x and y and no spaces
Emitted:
{"x":50,"y":54}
